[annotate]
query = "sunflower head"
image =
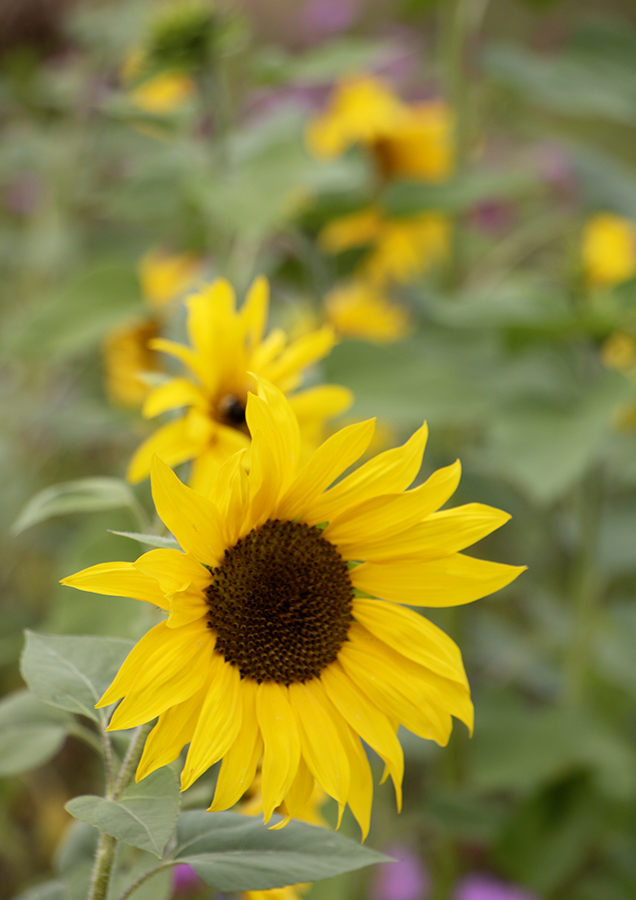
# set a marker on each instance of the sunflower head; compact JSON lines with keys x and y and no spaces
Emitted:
{"x":228,"y":347}
{"x":609,"y":249}
{"x":126,"y":357}
{"x":361,"y":310}
{"x":285,"y":641}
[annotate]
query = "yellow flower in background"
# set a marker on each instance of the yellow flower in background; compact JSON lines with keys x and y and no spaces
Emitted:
{"x":165,"y":276}
{"x":227,"y":348}
{"x":400,"y":249}
{"x":411,"y":142}
{"x":407,"y":141}
{"x":360,"y":310}
{"x":609,"y":249}
{"x":274,"y":649}
{"x":126,"y":353}
{"x":619,"y":352}
{"x":160,"y":94}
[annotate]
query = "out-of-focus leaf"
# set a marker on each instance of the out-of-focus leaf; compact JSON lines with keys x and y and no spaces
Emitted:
{"x":48,"y":890}
{"x":72,"y":673}
{"x":152,"y":540}
{"x":406,"y":198}
{"x":83,"y":495}
{"x":606,"y":183}
{"x":78,"y":315}
{"x":328,"y":62}
{"x":31,"y":732}
{"x":144,"y":815}
{"x":232,"y":852}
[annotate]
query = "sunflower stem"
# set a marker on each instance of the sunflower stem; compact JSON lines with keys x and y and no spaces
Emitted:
{"x":107,"y":845}
{"x":143,"y":878}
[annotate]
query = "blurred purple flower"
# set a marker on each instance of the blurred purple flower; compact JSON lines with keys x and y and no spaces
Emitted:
{"x":185,"y":880}
{"x":484,"y":887}
{"x":320,"y":18}
{"x":24,"y":194}
{"x":406,"y":879}
{"x":493,"y":216}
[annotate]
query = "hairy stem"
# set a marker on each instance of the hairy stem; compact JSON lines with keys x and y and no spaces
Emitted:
{"x":143,"y":878}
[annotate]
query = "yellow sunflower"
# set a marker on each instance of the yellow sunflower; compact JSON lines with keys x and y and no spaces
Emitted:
{"x":411,"y":142}
{"x":609,"y":249}
{"x":360,"y":310}
{"x":274,"y":646}
{"x":227,"y":345}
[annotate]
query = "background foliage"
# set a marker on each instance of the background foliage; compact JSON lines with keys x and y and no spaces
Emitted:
{"x":505,"y":362}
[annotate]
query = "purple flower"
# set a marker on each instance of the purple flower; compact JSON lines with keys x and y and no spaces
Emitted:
{"x":185,"y":880}
{"x":324,"y":17}
{"x":485,"y":887}
{"x":406,"y":879}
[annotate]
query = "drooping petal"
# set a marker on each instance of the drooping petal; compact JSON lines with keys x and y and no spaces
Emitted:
{"x":299,"y":792}
{"x":219,"y":723}
{"x":173,"y":394}
{"x":168,"y":676}
{"x":173,"y":570}
{"x":320,"y":742}
{"x":152,"y":642}
{"x":386,"y":473}
{"x":411,"y":635}
{"x":192,"y":518}
{"x":335,"y":455}
{"x":360,"y":796}
{"x":450,"y":581}
{"x":118,"y":579}
{"x":241,"y":760}
{"x":366,"y":720}
{"x":173,"y":443}
{"x":281,"y":756}
{"x":173,"y":731}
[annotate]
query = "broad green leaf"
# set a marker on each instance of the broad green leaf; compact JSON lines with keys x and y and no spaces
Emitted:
{"x":152,"y":540}
{"x":406,"y":198}
{"x":323,"y":64}
{"x":82,"y":495}
{"x":144,"y":815}
{"x":233,"y":852}
{"x":72,"y":673}
{"x":31,"y":732}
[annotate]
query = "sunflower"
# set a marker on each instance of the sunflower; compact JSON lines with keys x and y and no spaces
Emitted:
{"x":226,"y":346}
{"x":411,"y":142}
{"x":609,"y":249}
{"x":275,"y":647}
{"x":359,"y":310}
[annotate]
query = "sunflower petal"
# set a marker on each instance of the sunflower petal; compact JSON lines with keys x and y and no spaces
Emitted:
{"x":254,"y":311}
{"x":241,"y":760}
{"x":173,"y":394}
{"x":301,"y":353}
{"x":324,"y":401}
{"x":219,"y":723}
{"x":173,"y":731}
{"x":192,"y":518}
{"x":118,"y":579}
{"x":173,"y":569}
{"x":173,"y":443}
{"x":450,"y":581}
{"x":282,"y":744}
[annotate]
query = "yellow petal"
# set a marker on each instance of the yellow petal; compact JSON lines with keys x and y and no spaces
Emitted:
{"x":152,"y":642}
{"x":450,"y":581}
{"x":282,"y":744}
{"x":219,"y":723}
{"x":205,"y":468}
{"x":215,"y":333}
{"x":411,"y":635}
{"x":329,"y":461}
{"x":366,"y":720}
{"x":173,"y":394}
{"x":325,"y":401}
{"x":118,"y":579}
{"x":300,"y":790}
{"x":172,"y":732}
{"x":320,"y":742}
{"x":254,"y":311}
{"x":271,"y":413}
{"x":173,"y":569}
{"x":230,"y":495}
{"x":268,"y":349}
{"x":301,"y":353}
{"x":167,"y":676}
{"x":387,"y":473}
{"x":187,"y":356}
{"x":360,"y":795}
{"x":173,"y":443}
{"x":192,"y":518}
{"x":239,"y":763}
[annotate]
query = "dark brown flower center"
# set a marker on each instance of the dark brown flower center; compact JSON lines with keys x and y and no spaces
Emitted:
{"x":231,"y":412}
{"x":280,"y":603}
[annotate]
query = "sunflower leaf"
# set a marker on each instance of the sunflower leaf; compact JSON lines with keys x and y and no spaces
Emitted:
{"x":72,"y":672}
{"x":30,"y":732}
{"x":152,"y":540}
{"x":233,"y":852}
{"x":144,"y":815}
{"x":82,"y":495}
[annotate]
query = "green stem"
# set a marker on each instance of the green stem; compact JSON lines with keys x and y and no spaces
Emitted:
{"x":584,"y":587}
{"x":107,"y":845}
{"x":143,"y":878}
{"x":88,"y":737}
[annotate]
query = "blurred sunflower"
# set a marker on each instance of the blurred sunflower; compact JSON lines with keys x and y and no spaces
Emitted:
{"x":608,"y":249}
{"x":360,"y":310}
{"x":228,"y":345}
{"x":274,"y":646}
{"x":159,"y":93}
{"x":126,"y":354}
{"x":409,"y":142}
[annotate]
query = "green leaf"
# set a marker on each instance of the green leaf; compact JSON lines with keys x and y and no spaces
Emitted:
{"x":48,"y":890}
{"x":30,"y":732}
{"x":406,"y":198}
{"x":144,"y":816}
{"x":331,"y":60}
{"x":72,"y":673}
{"x":82,"y":495}
{"x":233,"y":852}
{"x":152,"y":540}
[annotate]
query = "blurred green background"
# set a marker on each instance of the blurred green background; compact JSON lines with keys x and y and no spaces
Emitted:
{"x":523,"y":363}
